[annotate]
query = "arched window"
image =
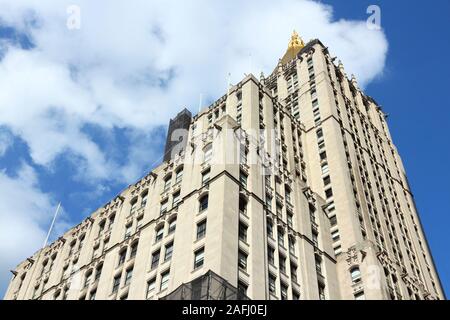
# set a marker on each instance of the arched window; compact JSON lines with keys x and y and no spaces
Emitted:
{"x":355,"y":274}
{"x":203,"y":203}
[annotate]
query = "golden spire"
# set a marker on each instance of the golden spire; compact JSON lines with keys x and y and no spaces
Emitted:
{"x":296,"y":41}
{"x":295,"y":45}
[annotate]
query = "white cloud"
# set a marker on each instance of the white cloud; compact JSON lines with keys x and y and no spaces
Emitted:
{"x":6,"y":140}
{"x":107,"y":73}
{"x":24,"y":215}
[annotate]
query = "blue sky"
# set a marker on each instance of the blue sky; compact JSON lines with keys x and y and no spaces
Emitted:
{"x":83,"y":112}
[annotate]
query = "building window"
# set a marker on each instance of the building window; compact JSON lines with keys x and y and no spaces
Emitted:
{"x":92,"y":294}
{"x":284,"y":292}
{"x":242,"y":290}
{"x":155,"y":259}
{"x":281,"y":237}
{"x":101,"y":226}
{"x":355,"y":274}
{"x":271,"y":255}
{"x":319,"y":265}
{"x":333,"y":221}
{"x":163,"y":208}
{"x":322,"y":295}
{"x":270,"y":228}
{"x":282,"y":262}
{"x":243,"y":232}
{"x":325,"y":168}
{"x":243,"y":154}
{"x":151,"y":285}
{"x":199,"y":258}
{"x":360,"y":296}
{"x":291,"y":245}
{"x":176,"y":198}
{"x":111,"y":221}
{"x":207,"y":153}
{"x":168,"y":252}
{"x":243,"y":179}
{"x":172,"y":226}
{"x":87,"y":279}
{"x":164,"y":280}
{"x":98,"y":272}
{"x":201,"y":229}
{"x":328,"y":193}
{"x":242,"y":205}
{"x":133,"y":252}
{"x":179,"y":175}
{"x":293,"y":272}
{"x":159,"y":234}
{"x":116,"y":284}
{"x":289,"y":219}
{"x":128,"y":275}
{"x":133,"y":205}
{"x":122,"y":257}
{"x":295,"y":295}
{"x":203,"y":203}
{"x":144,"y":197}
{"x":205,"y":176}
{"x":335,"y":235}
{"x":272,"y":283}
{"x":326,"y":181}
{"x":128,"y":231}
{"x":242,"y":260}
{"x":167,"y":182}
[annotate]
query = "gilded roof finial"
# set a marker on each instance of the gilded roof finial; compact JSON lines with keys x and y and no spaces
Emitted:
{"x":295,"y":45}
{"x":296,"y":41}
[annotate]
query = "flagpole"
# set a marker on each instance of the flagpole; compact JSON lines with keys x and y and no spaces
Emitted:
{"x":51,"y":226}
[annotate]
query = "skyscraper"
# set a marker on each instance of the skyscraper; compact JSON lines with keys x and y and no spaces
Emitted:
{"x":287,"y":187}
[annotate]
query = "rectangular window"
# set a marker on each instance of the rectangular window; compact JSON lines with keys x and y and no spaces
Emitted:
{"x":360,"y":296}
{"x":289,"y":219}
{"x":167,"y":183}
{"x":271,"y":255}
{"x":116,"y":283}
{"x":164,"y":280}
{"x":333,"y":221}
{"x":282,"y":261}
{"x":270,"y":229}
{"x":207,"y":153}
{"x":179,"y":176}
{"x":176,"y":198}
{"x":272,"y":284}
{"x":201,"y":229}
{"x":168,"y":252}
{"x":242,"y":260}
{"x":172,"y":226}
{"x":133,"y":251}
{"x":243,"y":232}
{"x":151,"y":285}
{"x":328,"y":193}
{"x":284,"y":292}
{"x":155,"y":259}
{"x":128,"y":276}
{"x":205,"y":177}
{"x":293,"y":272}
{"x":163,"y":208}
{"x":128,"y":231}
{"x":199,"y":256}
{"x":335,"y":235}
{"x":326,"y":181}
{"x":243,"y":179}
{"x":122,"y":256}
{"x":159,"y":234}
